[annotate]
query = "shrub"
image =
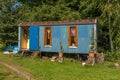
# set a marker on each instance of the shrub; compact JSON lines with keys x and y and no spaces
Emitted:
{"x":112,"y":56}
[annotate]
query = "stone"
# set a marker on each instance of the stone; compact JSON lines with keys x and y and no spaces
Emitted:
{"x":53,"y":59}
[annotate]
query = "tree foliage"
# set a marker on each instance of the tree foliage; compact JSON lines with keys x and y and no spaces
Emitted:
{"x":107,"y":12}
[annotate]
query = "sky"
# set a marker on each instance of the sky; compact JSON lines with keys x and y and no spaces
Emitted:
{"x":17,"y":4}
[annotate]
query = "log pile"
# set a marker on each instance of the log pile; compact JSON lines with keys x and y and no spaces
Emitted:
{"x":91,"y":60}
{"x":100,"y":57}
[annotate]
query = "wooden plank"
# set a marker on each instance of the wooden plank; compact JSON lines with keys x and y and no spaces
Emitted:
{"x":48,"y":23}
{"x":95,"y":39}
{"x":51,"y":36}
{"x":76,"y":36}
{"x":45,"y":36}
{"x":69,"y":36}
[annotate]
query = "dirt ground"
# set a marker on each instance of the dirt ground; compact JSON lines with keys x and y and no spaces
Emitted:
{"x":20,"y":72}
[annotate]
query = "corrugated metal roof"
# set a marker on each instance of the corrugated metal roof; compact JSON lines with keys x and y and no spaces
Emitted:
{"x":47,"y":23}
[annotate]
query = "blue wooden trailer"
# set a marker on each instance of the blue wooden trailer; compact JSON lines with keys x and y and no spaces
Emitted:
{"x":74,"y":36}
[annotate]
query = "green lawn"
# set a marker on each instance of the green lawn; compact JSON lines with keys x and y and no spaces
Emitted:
{"x":6,"y":74}
{"x":47,"y":70}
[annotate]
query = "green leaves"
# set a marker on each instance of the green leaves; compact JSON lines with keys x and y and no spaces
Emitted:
{"x":109,"y":18}
{"x":54,"y":10}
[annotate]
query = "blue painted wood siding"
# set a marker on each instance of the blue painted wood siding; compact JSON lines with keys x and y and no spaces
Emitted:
{"x":55,"y":40}
{"x":60,"y":34}
{"x":34,"y":38}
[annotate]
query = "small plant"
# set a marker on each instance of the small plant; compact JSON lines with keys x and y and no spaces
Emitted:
{"x":91,"y":47}
{"x":60,"y":59}
{"x":61,"y":47}
{"x":36,"y":54}
{"x":112,"y":56}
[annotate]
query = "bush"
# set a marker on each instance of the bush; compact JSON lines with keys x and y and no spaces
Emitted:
{"x":112,"y":56}
{"x":2,"y":46}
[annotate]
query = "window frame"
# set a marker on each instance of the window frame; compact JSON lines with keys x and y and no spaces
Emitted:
{"x":45,"y":36}
{"x":70,"y":37}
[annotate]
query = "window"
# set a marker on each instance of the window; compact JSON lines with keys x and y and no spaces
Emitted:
{"x":48,"y":36}
{"x":73,"y":36}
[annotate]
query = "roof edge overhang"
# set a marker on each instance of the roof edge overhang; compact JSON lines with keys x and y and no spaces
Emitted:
{"x":65,"y":22}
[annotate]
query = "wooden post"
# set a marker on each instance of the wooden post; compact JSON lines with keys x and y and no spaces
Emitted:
{"x":95,"y":38}
{"x":78,"y":56}
{"x":60,"y":57}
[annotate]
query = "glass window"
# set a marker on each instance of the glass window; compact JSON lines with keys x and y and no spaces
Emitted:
{"x":48,"y":36}
{"x":73,"y":36}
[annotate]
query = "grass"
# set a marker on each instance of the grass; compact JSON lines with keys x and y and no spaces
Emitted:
{"x":47,"y":70}
{"x":6,"y":74}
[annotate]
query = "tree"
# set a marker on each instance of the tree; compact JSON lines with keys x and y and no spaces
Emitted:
{"x":9,"y":19}
{"x":109,"y":18}
{"x":106,"y":12}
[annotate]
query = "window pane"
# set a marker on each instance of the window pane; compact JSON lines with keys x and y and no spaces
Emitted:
{"x":72,"y":36}
{"x":48,"y":36}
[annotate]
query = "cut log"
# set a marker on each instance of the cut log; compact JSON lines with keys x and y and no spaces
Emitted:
{"x":100,"y":57}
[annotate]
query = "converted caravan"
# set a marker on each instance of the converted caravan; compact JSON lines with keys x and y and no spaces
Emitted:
{"x":74,"y":36}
